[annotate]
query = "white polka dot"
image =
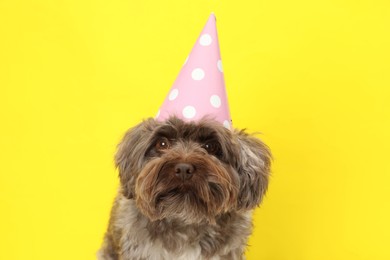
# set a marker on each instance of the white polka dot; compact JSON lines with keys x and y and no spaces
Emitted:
{"x":173,"y":95}
{"x":226,"y":124}
{"x":197,"y":74}
{"x":219,"y":65}
{"x":158,"y":114}
{"x":215,"y":101}
{"x":205,"y":40}
{"x":189,"y":112}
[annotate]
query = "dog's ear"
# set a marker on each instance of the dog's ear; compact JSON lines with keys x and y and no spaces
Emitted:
{"x":253,"y":168}
{"x":130,"y":156}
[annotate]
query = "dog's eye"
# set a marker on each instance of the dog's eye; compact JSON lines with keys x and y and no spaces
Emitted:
{"x":162,"y":144}
{"x":212,"y":148}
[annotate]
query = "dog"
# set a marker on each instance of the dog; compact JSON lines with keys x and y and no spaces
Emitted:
{"x":187,"y":191}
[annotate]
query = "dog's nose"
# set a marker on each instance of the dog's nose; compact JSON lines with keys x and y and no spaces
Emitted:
{"x":184,"y":171}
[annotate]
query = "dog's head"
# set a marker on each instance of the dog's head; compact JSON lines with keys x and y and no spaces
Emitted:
{"x":191,"y":171}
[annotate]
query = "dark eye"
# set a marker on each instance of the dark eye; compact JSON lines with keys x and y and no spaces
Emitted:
{"x":213,"y":148}
{"x":162,"y":144}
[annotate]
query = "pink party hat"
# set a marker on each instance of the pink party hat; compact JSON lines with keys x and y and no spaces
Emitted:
{"x":199,"y":90}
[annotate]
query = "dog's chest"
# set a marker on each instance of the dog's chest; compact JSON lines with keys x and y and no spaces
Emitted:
{"x":145,"y":243}
{"x":141,"y":239}
{"x":156,"y":251}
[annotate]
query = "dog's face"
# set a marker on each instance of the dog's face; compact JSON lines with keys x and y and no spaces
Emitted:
{"x":191,"y":171}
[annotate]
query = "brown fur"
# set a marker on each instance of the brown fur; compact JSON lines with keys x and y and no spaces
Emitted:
{"x":158,"y":215}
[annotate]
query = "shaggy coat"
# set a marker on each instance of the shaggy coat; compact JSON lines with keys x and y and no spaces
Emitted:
{"x":187,"y":191}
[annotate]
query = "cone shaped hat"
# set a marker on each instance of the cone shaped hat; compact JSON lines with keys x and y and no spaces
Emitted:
{"x":199,"y":90}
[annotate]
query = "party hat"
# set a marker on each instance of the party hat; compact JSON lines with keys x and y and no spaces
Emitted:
{"x":199,"y":90}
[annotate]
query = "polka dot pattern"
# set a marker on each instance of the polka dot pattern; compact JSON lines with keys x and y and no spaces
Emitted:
{"x":197,"y":74}
{"x":215,"y":101}
{"x":219,"y":65}
{"x":199,"y":89}
{"x":226,"y":124}
{"x":205,"y":39}
{"x":189,"y":112}
{"x":173,"y":95}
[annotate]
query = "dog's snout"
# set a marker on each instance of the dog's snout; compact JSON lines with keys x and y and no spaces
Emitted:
{"x":184,"y":171}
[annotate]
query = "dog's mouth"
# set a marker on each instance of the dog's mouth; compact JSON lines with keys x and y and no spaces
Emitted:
{"x":175,"y":193}
{"x":167,"y":195}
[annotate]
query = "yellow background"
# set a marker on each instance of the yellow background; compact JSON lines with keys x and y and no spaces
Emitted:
{"x":312,"y":76}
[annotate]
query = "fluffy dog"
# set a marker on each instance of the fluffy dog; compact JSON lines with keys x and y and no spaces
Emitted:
{"x":187,"y":191}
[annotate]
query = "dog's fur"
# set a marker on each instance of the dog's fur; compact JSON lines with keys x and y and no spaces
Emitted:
{"x":159,"y":214}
